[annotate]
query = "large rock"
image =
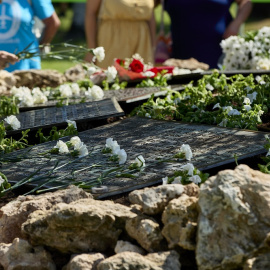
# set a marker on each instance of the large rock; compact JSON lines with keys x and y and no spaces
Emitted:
{"x":39,"y":78}
{"x":75,"y":73}
{"x":146,"y":232}
{"x":15,"y":213}
{"x":21,"y":255}
{"x":7,"y":81}
{"x":84,"y":261}
{"x":122,"y":246}
{"x":180,"y":222}
{"x":234,"y":217}
{"x":154,"y":200}
{"x":81,"y":226}
{"x":153,"y":261}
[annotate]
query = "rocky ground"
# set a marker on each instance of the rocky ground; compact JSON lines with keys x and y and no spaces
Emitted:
{"x":224,"y":224}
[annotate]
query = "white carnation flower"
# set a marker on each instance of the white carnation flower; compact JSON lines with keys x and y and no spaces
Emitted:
{"x":209,"y":87}
{"x":75,"y":140}
{"x":185,"y":148}
{"x":140,"y":161}
{"x":2,"y":181}
{"x":111,"y":73}
{"x":75,"y":88}
{"x":91,"y":70}
{"x":196,"y":179}
{"x":177,"y":180}
{"x":81,"y":147}
{"x":13,"y":121}
{"x":97,"y":92}
{"x":148,"y":74}
{"x":65,"y":90}
{"x":122,"y":155}
{"x":188,"y":167}
{"x":165,"y":180}
{"x":63,"y":149}
{"x":252,"y":96}
{"x":223,"y":123}
{"x":234,"y":112}
{"x":216,"y":106}
{"x":73,"y":123}
{"x":113,"y":145}
{"x":99,"y":53}
{"x":247,"y":107}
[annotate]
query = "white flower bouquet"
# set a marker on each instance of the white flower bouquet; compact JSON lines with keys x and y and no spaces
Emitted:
{"x":248,"y":52}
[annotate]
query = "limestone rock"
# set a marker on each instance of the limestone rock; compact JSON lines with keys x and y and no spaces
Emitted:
{"x":16,"y":212}
{"x":122,"y":246}
{"x":39,"y":78}
{"x":192,"y":190}
{"x":21,"y":255}
{"x":146,"y":232}
{"x":259,"y":259}
{"x":154,"y":200}
{"x":84,"y":261}
{"x":234,"y":217}
{"x":190,"y":63}
{"x":180,"y":222}
{"x":154,"y":261}
{"x":81,"y":226}
{"x":75,"y":73}
{"x":7,"y":81}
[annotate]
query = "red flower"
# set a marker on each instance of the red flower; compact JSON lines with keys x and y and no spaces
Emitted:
{"x":136,"y":66}
{"x":120,"y":62}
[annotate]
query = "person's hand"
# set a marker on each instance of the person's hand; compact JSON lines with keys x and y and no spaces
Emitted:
{"x":231,"y":30}
{"x":7,"y":58}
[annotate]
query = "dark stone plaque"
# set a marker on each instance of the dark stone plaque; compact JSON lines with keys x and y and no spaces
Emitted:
{"x":55,"y":116}
{"x":211,"y":146}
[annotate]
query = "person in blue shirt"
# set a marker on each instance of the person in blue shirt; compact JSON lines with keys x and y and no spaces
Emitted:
{"x":198,"y":26}
{"x":16,"y":25}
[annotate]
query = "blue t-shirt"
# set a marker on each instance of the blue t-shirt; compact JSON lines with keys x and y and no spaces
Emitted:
{"x":16,"y":24}
{"x":197,"y":27}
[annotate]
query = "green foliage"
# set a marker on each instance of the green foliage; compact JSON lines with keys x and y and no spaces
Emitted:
{"x":55,"y":134}
{"x":195,"y":104}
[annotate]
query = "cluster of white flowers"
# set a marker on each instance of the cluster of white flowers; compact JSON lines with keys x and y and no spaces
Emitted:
{"x":13,"y":122}
{"x":251,"y":54}
{"x":76,"y":143}
{"x":189,"y":168}
{"x":68,"y":90}
{"x":114,"y":146}
{"x":28,"y":97}
{"x":94,"y":93}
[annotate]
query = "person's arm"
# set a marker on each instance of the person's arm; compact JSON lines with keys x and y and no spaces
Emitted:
{"x":7,"y":58}
{"x":51,"y":26}
{"x":244,"y":10}
{"x":91,"y":15}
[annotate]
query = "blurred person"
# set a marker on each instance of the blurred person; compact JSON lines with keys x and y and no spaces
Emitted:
{"x":122,"y":27}
{"x":16,"y":28}
{"x":198,"y":26}
{"x":7,"y":58}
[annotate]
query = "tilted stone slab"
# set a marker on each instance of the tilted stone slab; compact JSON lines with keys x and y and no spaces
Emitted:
{"x":155,"y":140}
{"x":55,"y":116}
